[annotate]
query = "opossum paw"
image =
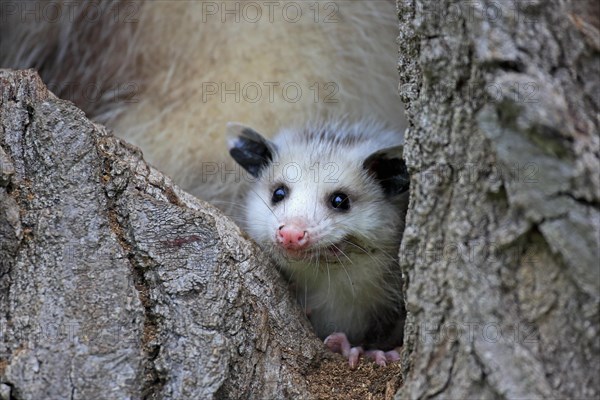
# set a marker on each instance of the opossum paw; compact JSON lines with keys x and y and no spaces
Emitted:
{"x":338,"y":343}
{"x":381,"y":358}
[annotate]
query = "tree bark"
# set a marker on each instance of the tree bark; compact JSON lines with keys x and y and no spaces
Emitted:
{"x":500,"y":252}
{"x":115,"y":284}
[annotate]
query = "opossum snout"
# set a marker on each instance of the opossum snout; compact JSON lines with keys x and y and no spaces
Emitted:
{"x":292,"y":237}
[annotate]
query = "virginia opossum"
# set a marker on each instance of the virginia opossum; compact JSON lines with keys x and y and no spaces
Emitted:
{"x":168,"y":76}
{"x":329,"y":206}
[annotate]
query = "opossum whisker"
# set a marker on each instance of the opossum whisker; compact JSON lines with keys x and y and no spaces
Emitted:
{"x":374,"y":246}
{"x":345,"y":270}
{"x":328,"y":277}
{"x":378,"y":262}
{"x":343,"y":253}
{"x":264,"y":202}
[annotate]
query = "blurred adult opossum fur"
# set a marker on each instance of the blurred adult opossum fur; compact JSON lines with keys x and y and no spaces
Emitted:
{"x":168,"y":75}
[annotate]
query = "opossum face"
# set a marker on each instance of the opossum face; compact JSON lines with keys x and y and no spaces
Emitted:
{"x":317,"y":203}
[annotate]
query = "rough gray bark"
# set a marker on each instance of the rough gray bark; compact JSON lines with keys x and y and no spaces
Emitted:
{"x":115,"y":284}
{"x":501,"y":246}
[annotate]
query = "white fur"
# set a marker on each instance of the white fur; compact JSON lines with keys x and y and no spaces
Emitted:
{"x":341,"y":292}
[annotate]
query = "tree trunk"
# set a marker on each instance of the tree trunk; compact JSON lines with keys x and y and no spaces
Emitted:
{"x":500,"y":252}
{"x":115,"y":284}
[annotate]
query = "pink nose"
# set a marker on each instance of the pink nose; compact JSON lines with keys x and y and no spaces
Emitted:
{"x":291,"y":237}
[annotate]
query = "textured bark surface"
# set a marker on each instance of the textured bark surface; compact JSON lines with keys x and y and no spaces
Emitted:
{"x":114,"y":284}
{"x":501,"y":247}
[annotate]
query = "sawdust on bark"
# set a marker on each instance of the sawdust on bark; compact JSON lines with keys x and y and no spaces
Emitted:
{"x":335,"y":380}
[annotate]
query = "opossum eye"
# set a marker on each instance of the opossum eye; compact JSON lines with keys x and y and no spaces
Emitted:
{"x":279,"y":194}
{"x":340,"y":201}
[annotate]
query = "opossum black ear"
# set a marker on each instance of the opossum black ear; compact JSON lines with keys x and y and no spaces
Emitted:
{"x":248,"y":148}
{"x":389,"y":169}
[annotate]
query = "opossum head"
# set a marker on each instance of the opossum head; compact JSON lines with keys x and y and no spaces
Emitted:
{"x":326,"y":194}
